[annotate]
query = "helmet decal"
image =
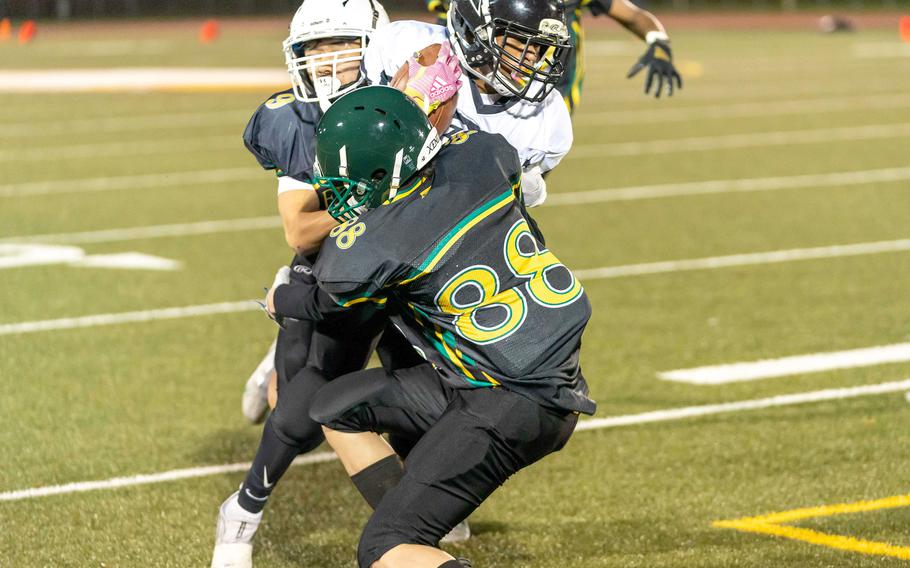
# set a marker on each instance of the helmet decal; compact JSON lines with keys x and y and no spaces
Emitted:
{"x":396,"y":172}
{"x":343,"y":161}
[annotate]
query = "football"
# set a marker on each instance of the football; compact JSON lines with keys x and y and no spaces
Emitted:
{"x":441,"y":117}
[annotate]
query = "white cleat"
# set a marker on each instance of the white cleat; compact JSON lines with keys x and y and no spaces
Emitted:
{"x":460,"y":533}
{"x":234,"y":535}
{"x":255,"y":402}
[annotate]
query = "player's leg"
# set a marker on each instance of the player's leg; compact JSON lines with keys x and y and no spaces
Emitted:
{"x":485,"y":436}
{"x":289,"y":431}
{"x":291,"y":355}
{"x":404,"y":402}
{"x":255,"y":401}
{"x":286,"y":434}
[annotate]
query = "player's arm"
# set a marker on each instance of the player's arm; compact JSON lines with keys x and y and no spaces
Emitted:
{"x":306,"y":223}
{"x":658,"y":58}
{"x":301,"y":300}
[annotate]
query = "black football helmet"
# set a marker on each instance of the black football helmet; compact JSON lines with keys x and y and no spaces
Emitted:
{"x":518,"y":47}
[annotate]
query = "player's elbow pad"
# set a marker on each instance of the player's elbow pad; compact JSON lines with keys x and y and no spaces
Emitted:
{"x":533,"y":187}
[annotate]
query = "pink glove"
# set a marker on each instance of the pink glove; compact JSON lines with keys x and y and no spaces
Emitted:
{"x":430,"y":84}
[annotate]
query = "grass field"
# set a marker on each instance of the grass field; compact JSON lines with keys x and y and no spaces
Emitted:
{"x":828,"y":118}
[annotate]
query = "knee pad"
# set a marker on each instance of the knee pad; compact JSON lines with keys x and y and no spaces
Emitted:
{"x":291,"y":417}
{"x":292,"y":348}
{"x":336,"y":405}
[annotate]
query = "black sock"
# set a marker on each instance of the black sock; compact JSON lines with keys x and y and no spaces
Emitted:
{"x":272,"y":459}
{"x":376,"y":480}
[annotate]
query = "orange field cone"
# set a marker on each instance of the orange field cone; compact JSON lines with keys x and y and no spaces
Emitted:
{"x":905,"y":28}
{"x":6,"y":29}
{"x":27,"y":31}
{"x":209,"y":31}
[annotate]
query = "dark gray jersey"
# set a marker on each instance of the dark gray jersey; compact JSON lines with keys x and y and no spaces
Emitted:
{"x":282,"y":135}
{"x":465,"y":279}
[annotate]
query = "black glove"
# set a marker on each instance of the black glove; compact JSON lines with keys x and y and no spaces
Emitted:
{"x":659,"y":61}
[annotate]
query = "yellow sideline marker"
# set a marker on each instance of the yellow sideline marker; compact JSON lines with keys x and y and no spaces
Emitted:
{"x":772,"y":524}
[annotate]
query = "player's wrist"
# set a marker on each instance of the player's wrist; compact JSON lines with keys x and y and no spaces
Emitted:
{"x":655,"y":36}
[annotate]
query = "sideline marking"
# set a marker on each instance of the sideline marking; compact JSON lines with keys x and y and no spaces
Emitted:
{"x":23,"y":255}
{"x":152,"y":231}
{"x":744,"y":140}
{"x":748,"y":259}
{"x":593,"y":424}
{"x":145,"y":181}
{"x":583,"y":151}
{"x":108,"y":124}
{"x":147,"y":479}
{"x":112,"y":149}
{"x":633,"y":193}
{"x":771,"y":524}
{"x":592,"y":274}
{"x":794,"y":365}
{"x":140,"y":79}
{"x":754,"y":404}
{"x":128,"y":317}
{"x":881,"y":50}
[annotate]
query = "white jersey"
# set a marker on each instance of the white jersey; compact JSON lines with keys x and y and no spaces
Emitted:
{"x":542,"y":133}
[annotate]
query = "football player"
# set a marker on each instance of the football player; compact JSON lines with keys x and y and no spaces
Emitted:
{"x":515,"y":52}
{"x":658,"y":59}
{"x":434,"y":234}
{"x":288,"y":433}
{"x":323,"y":52}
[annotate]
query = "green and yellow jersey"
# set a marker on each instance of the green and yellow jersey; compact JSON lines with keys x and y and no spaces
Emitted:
{"x":454,"y":260}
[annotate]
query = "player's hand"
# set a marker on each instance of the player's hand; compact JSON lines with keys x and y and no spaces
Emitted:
{"x":659,"y":61}
{"x":430,"y":81}
{"x":533,"y":187}
{"x":282,"y":277}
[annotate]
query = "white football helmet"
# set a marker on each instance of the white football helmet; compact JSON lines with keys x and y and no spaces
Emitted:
{"x":321,"y":19}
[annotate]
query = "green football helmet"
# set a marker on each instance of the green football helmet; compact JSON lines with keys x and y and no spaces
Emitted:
{"x":369,"y":143}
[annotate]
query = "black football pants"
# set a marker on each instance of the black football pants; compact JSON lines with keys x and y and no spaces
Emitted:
{"x":469,"y":441}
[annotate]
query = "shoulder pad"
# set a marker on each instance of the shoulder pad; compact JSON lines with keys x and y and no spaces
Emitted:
{"x":281,"y":135}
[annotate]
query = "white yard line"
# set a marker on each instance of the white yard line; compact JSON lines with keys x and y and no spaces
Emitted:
{"x":881,"y":50}
{"x":723,"y":92}
{"x":745,"y":140}
{"x":745,"y":110}
{"x":152,"y":231}
{"x":860,"y":177}
{"x":146,"y":181}
{"x":181,"y":146}
{"x":141,"y":79}
{"x":585,"y":425}
{"x":231,"y":175}
{"x":749,"y":259}
{"x":129,"y":123}
{"x":147,"y":479}
{"x":128,"y":317}
{"x":794,"y":365}
{"x":755,"y":404}
{"x":582,"y":151}
{"x":620,"y":271}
